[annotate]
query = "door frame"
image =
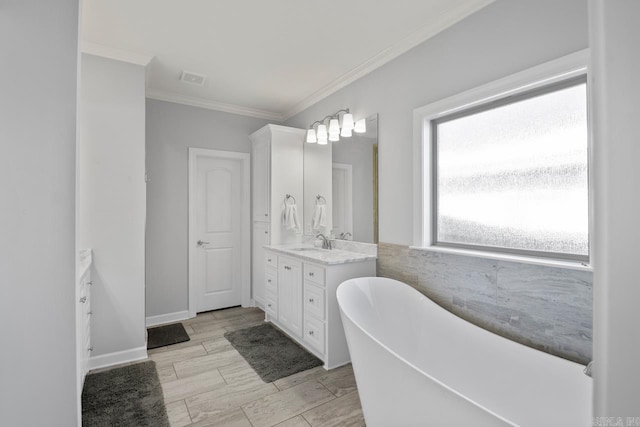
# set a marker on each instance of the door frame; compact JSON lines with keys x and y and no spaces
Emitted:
{"x":245,"y":238}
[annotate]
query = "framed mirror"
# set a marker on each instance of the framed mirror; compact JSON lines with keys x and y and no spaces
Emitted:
{"x":341,"y":186}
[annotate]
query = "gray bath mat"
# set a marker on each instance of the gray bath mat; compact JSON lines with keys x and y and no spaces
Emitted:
{"x":127,"y":396}
{"x":271,"y":353}
{"x":166,"y":335}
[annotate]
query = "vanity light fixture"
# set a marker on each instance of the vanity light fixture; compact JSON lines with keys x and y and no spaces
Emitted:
{"x":322,"y":134}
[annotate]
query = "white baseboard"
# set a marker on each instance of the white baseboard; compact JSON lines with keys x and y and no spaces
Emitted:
{"x":118,"y":357}
{"x":167,"y":318}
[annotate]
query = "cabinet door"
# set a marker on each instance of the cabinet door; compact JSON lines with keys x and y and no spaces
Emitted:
{"x":261,"y":180}
{"x":290,"y":295}
{"x":261,"y":237}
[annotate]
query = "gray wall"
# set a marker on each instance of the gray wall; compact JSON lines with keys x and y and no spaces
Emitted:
{"x":171,"y":130}
{"x":38,"y":52}
{"x":111,"y":199}
{"x":504,"y":38}
{"x":614,"y":35}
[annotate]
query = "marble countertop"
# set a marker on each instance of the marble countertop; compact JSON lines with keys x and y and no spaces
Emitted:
{"x":318,"y":255}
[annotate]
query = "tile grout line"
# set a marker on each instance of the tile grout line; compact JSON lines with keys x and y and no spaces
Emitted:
{"x":245,"y":415}
{"x":305,"y":418}
{"x":332,"y":393}
{"x":173,"y":366}
{"x":222,"y":376}
{"x":188,"y":410}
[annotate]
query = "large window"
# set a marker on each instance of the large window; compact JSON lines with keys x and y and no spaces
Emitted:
{"x":510,"y":175}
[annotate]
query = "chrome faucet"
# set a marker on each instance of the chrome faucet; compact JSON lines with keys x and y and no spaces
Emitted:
{"x":345,"y":235}
{"x":326,"y":243}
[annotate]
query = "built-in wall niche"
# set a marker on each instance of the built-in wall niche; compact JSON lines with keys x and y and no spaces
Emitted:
{"x":343,"y":176}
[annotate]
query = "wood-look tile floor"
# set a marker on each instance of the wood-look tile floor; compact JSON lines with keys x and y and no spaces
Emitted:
{"x":207,"y":383}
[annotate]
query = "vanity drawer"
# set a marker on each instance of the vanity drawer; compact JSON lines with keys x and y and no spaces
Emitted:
{"x":313,"y":300}
{"x":314,"y":333}
{"x":271,"y":260}
{"x":314,"y":274}
{"x":271,"y":304}
{"x":271,"y":281}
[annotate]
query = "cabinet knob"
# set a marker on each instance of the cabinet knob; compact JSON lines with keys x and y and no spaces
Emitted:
{"x":268,"y":280}
{"x":90,"y":348}
{"x":311,"y":274}
{"x":89,"y":283}
{"x":269,"y":260}
{"x":311,"y":300}
{"x":311,"y":333}
{"x":89,"y":313}
{"x":266,"y":214}
{"x":83,"y":300}
{"x":266,"y":232}
{"x":268,"y":305}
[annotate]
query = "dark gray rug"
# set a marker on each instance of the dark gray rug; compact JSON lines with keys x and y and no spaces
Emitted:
{"x":127,"y":396}
{"x":271,"y":353}
{"x":166,"y":335}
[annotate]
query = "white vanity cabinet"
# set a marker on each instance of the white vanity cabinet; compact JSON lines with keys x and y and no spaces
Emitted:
{"x":260,"y":179}
{"x":305,"y":304}
{"x":261,"y":237}
{"x":290,"y":294}
{"x":83,"y":316}
{"x":276,"y":170}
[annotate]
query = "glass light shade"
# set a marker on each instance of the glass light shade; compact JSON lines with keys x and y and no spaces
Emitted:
{"x":334,"y":137}
{"x":334,"y":127}
{"x":311,"y":136}
{"x":322,"y":141}
{"x":346,"y":133}
{"x":360,"y":126}
{"x":321,"y":132}
{"x":347,"y":122}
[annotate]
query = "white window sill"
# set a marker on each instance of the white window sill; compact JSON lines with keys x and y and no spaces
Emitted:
{"x":570,"y":265}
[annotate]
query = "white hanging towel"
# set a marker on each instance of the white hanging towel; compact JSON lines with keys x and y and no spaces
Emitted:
{"x":319,"y":217}
{"x":290,"y":219}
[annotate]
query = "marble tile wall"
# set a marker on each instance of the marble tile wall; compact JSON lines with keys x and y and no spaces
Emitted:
{"x":359,"y":247}
{"x":543,"y":307}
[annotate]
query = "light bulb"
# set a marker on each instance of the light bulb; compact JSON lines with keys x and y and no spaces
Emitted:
{"x":311,"y":136}
{"x":345,"y":133}
{"x":347,"y":122}
{"x":321,"y":132}
{"x":360,"y":126}
{"x":334,"y":127}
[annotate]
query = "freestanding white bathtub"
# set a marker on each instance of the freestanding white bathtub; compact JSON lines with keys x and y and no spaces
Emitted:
{"x":416,"y":364}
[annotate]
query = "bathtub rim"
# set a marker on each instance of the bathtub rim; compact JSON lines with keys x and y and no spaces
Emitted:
{"x":412,"y":290}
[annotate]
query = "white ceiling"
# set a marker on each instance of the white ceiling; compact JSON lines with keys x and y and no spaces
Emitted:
{"x":269,"y":59}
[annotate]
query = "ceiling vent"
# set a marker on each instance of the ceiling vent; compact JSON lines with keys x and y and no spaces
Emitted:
{"x":193,"y":78}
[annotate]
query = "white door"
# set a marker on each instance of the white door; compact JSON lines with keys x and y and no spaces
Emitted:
{"x":342,"y":209}
{"x":217,"y":249}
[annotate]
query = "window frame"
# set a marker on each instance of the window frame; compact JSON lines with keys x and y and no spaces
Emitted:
{"x":545,"y":78}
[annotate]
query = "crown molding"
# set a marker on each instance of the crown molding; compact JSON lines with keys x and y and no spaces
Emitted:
{"x":446,"y":19}
{"x":123,"y":55}
{"x":193,"y":101}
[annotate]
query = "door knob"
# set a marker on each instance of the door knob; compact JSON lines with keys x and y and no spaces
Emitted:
{"x":202,"y":243}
